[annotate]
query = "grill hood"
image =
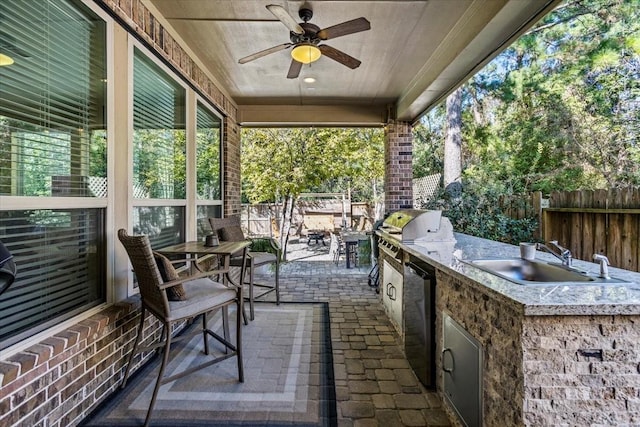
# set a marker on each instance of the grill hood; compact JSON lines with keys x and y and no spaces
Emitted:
{"x":415,"y":225}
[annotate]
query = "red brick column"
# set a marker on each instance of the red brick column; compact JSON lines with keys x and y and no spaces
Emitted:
{"x":398,"y":170}
{"x":231,"y":160}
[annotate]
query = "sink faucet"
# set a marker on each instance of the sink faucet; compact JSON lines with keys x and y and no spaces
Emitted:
{"x":604,"y":265}
{"x":563,"y":254}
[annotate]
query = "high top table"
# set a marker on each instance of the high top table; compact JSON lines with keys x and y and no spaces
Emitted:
{"x":198,"y":249}
{"x":224,"y":250}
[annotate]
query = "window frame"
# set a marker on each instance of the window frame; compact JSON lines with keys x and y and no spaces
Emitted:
{"x":25,"y":203}
{"x":206,"y":202}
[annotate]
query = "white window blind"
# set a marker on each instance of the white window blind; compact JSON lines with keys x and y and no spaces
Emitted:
{"x":51,"y":99}
{"x":159,"y":159}
{"x":52,"y":143}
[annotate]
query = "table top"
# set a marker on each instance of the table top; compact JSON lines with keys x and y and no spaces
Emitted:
{"x":198,"y":248}
{"x":351,"y":236}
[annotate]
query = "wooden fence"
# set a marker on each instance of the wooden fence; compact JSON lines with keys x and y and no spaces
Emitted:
{"x":596,"y":222}
{"x":524,"y":206}
{"x":586,"y":222}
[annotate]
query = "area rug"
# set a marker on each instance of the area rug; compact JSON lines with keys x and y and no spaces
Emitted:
{"x":288,"y":378}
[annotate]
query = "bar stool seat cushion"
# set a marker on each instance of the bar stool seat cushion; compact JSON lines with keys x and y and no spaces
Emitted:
{"x":203,"y":294}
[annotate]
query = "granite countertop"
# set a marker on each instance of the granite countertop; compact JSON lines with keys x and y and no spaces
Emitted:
{"x":531,"y":299}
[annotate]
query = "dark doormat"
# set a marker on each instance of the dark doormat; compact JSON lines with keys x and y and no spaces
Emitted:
{"x":289,"y":378}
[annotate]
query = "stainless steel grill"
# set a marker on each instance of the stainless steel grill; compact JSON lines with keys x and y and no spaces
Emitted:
{"x":413,"y":226}
{"x":408,"y":283}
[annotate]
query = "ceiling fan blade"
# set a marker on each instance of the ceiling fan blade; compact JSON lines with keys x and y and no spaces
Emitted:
{"x":284,"y":17}
{"x":294,"y":69}
{"x":339,"y":56}
{"x":264,"y":53}
{"x":348,"y":27}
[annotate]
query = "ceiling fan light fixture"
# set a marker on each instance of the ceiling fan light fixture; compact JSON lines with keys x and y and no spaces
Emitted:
{"x":5,"y":60}
{"x":306,"y":53}
{"x":309,"y":79}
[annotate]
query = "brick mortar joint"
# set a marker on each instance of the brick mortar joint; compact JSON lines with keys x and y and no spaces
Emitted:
{"x":104,"y":319}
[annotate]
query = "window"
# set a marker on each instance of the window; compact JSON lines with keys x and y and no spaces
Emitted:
{"x":61,"y":268}
{"x":208,"y":155}
{"x":159,"y":153}
{"x":52,"y":144}
{"x":208,"y":169}
{"x":204,"y":213}
{"x":159,"y":160}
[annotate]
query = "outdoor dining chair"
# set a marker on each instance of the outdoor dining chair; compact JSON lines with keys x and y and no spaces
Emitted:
{"x":7,"y":268}
{"x":173,"y":300}
{"x":228,"y":229}
{"x":336,"y":247}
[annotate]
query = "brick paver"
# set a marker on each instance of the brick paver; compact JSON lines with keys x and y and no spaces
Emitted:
{"x":375,"y":385}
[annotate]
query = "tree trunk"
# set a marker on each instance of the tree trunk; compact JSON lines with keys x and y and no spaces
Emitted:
{"x":453,"y":145}
{"x":288,"y":206}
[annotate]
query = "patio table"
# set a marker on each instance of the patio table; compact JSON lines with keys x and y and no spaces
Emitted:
{"x":225,"y":250}
{"x":317,"y":236}
{"x":195,"y":250}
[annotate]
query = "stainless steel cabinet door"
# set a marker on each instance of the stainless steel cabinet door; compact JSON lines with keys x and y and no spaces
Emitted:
{"x":462,"y":365}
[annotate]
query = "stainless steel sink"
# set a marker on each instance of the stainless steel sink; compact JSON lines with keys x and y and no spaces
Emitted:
{"x":531,"y":272}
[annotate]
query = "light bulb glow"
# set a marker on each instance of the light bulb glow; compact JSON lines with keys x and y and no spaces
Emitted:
{"x":5,"y":60}
{"x":305,"y":53}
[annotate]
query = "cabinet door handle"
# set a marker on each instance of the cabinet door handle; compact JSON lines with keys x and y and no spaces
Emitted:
{"x":391,"y":291}
{"x":444,"y":365}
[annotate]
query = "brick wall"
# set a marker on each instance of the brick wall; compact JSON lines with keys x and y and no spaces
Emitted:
{"x":545,"y":370}
{"x":581,"y":370}
{"x":231,"y":161}
{"x":56,"y":382}
{"x":398,"y":169}
{"x":498,"y":328}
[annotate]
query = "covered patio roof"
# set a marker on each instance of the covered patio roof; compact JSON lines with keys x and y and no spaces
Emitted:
{"x":414,"y":55}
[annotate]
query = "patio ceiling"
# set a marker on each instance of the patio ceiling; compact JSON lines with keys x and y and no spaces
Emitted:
{"x":416,"y":53}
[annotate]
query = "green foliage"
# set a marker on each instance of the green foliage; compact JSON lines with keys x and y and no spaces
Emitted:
{"x":282,"y":163}
{"x":558,"y":110}
{"x":477,"y":212}
{"x":159,"y":162}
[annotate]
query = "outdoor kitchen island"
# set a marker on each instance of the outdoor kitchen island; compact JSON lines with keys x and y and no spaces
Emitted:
{"x":546,"y":354}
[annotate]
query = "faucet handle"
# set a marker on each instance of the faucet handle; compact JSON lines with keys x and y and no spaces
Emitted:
{"x":604,"y":265}
{"x":601,"y":258}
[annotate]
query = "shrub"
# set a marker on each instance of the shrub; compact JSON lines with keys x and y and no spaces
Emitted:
{"x":477,"y":212}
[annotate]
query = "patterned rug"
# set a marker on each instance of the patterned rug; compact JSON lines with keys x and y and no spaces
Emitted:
{"x":288,"y":378}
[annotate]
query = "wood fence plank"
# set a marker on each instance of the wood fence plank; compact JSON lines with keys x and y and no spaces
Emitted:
{"x":587,"y":224}
{"x":629,"y":233}
{"x":600,"y":223}
{"x":575,"y":232}
{"x":536,"y":205}
{"x":614,"y":229}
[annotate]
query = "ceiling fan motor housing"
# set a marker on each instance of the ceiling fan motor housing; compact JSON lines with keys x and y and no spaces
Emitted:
{"x":309,"y":35}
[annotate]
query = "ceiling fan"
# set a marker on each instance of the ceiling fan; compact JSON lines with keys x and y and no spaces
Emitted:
{"x":306,"y":38}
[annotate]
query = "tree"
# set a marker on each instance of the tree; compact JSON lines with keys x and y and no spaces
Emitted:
{"x":453,"y":144}
{"x":280,"y":164}
{"x":557,"y":110}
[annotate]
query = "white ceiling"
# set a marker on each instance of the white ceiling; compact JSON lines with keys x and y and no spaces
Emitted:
{"x":416,"y":52}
